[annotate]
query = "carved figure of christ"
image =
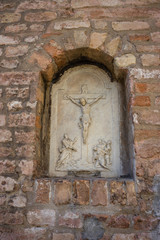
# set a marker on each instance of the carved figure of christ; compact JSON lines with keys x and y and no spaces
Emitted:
{"x":85,"y":119}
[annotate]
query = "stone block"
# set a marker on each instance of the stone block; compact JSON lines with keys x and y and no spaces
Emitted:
{"x":99,"y":193}
{"x":7,"y":184}
{"x":43,"y":190}
{"x":41,"y":217}
{"x":62,"y":192}
{"x":71,"y":220}
{"x":81,"y":192}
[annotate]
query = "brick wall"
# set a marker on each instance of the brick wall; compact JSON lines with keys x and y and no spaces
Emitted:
{"x":38,"y":39}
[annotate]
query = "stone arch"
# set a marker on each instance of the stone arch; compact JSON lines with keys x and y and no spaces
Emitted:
{"x":51,"y":70}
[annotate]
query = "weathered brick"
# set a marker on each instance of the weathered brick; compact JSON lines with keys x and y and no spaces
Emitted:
{"x":1,"y":106}
{"x":2,"y":199}
{"x":131,"y":193}
{"x":100,"y":23}
{"x":120,"y":221}
{"x":148,"y":48}
{"x":10,"y":17}
{"x":148,"y":149}
{"x":142,"y":134}
{"x":17,"y":92}
{"x":63,"y":236}
{"x":62,"y":192}
{"x":7,"y":166}
{"x":16,"y":218}
{"x":19,"y":50}
{"x":27,"y":151}
{"x":26,"y":167}
{"x":41,"y":217}
{"x":33,"y":233}
{"x":155,"y":37}
{"x":42,"y":60}
{"x":5,"y":40}
{"x":31,"y":39}
{"x":97,"y":39}
{"x":2,"y":120}
{"x":6,"y":135}
{"x":150,"y":117}
{"x":7,"y":184}
{"x":118,"y":236}
{"x":14,"y":106}
{"x":145,"y":223}
{"x":40,"y":16}
{"x":80,"y":37}
{"x":6,"y":152}
{"x":37,"y":27}
{"x":9,"y":64}
{"x":136,"y":25}
{"x":150,"y":60}
{"x":71,"y":220}
{"x":157,"y":100}
{"x":118,"y":193}
{"x":22,"y":136}
{"x":15,"y":28}
{"x":142,"y":101}
{"x":31,"y":5}
{"x":99,"y":193}
{"x":139,"y":73}
{"x":43,"y":191}
{"x":81,"y":192}
{"x":21,"y":119}
{"x":17,"y":201}
{"x":69,"y":24}
{"x":27,"y":185}
{"x":125,"y":60}
{"x":153,"y":168}
{"x":139,"y":37}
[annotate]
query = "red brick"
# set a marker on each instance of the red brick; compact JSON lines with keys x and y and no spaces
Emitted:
{"x":5,"y":40}
{"x":7,"y":184}
{"x":148,"y":48}
{"x":16,"y":218}
{"x":41,"y":217}
{"x":6,"y":152}
{"x":142,"y":134}
{"x":81,"y":192}
{"x":18,"y":78}
{"x":19,"y":50}
{"x":9,"y":17}
{"x":155,"y":37}
{"x":63,"y":236}
{"x":145,"y":223}
{"x":43,"y":191}
{"x":17,"y":201}
{"x":99,"y":193}
{"x":139,"y":37}
{"x":150,"y":60}
{"x":120,"y":221}
{"x":17,"y":92}
{"x":22,"y":136}
{"x":123,"y":26}
{"x":9,"y":64}
{"x":6,"y":135}
{"x":40,"y":16}
{"x":26,"y":167}
{"x":15,"y":28}
{"x":118,"y":193}
{"x":62,"y":192}
{"x":69,"y":24}
{"x":142,"y":101}
{"x":7,"y":166}
{"x":22,"y":119}
{"x":131,"y":193}
{"x":71,"y":220}
{"x":147,"y":87}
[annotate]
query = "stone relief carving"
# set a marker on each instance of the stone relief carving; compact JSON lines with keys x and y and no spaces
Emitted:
{"x":66,"y":151}
{"x":102,"y":154}
{"x":82,"y":102}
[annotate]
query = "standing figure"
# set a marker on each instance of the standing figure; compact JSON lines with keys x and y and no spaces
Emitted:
{"x":85,"y":119}
{"x":66,"y":151}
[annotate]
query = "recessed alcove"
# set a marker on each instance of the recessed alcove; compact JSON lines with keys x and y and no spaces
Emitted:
{"x":87,"y":130}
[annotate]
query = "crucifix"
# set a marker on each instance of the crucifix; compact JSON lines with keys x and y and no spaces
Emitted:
{"x":81,"y":100}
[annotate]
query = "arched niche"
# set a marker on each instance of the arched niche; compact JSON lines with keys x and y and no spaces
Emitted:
{"x":88,"y":134}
